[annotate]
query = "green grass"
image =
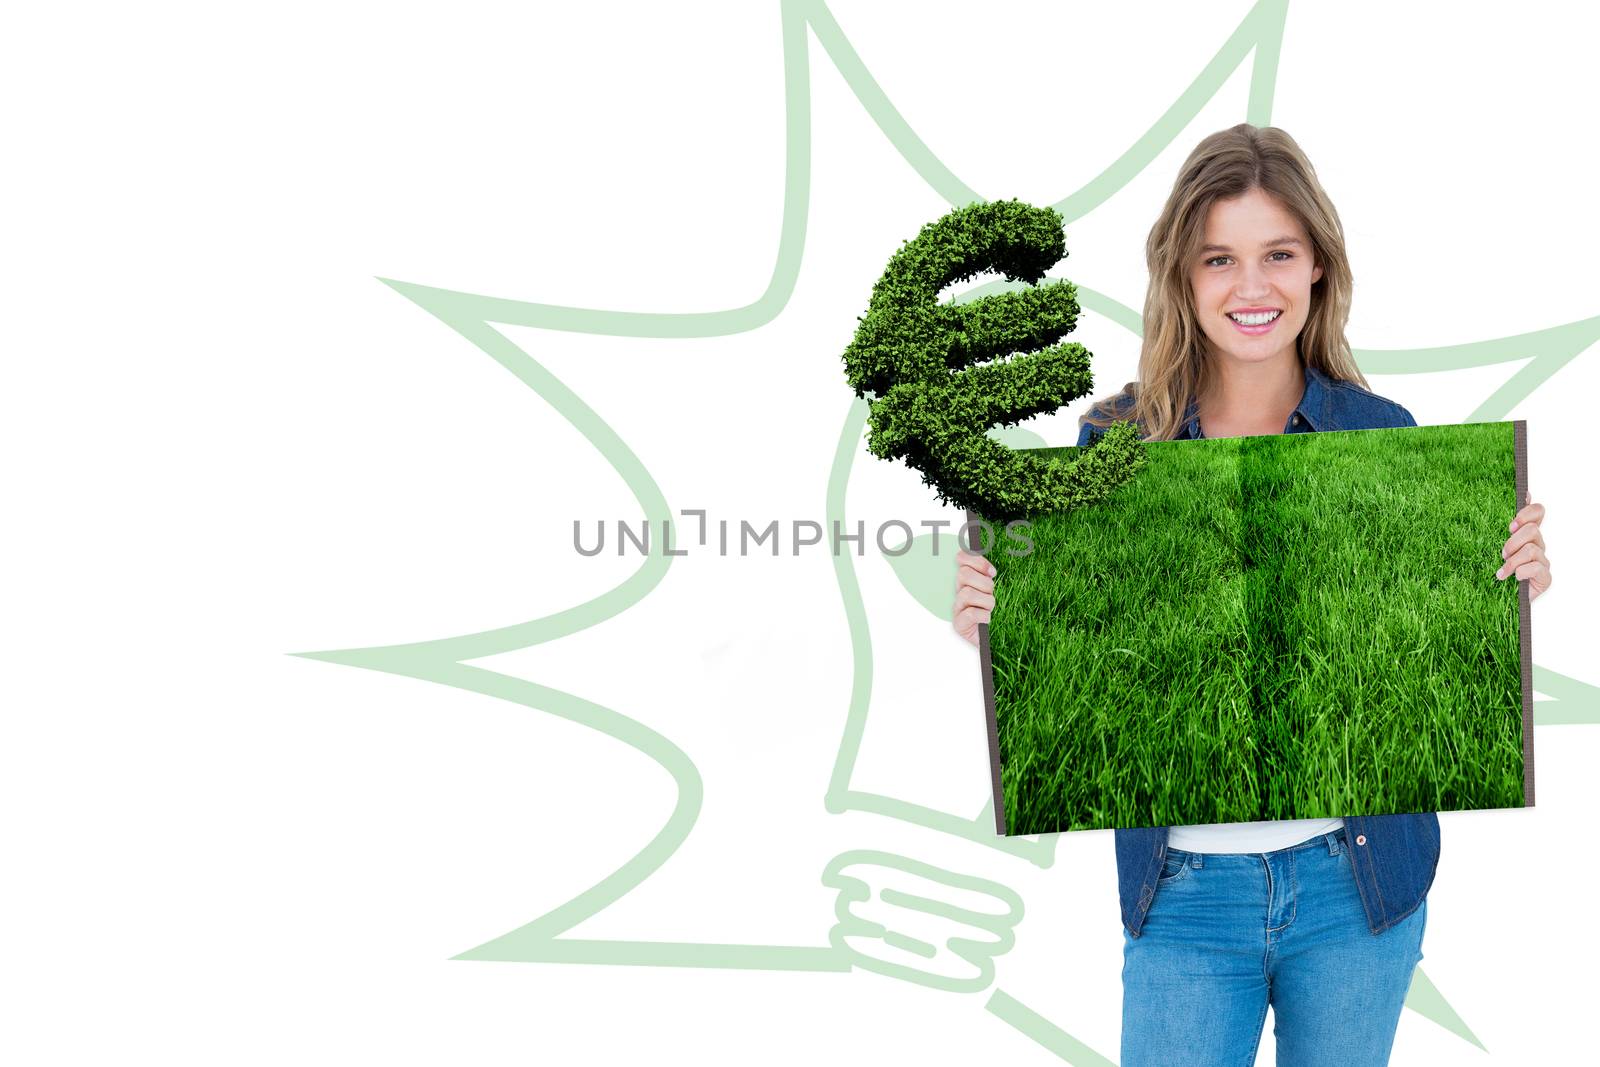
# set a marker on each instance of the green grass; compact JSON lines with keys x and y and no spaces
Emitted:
{"x":1288,"y":626}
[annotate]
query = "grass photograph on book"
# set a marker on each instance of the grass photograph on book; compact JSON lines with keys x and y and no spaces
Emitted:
{"x":1278,"y":627}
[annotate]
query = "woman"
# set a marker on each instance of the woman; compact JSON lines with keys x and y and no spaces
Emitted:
{"x":1322,"y":918}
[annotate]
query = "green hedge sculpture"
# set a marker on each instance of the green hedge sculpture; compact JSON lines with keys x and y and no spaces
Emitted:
{"x":933,"y":409}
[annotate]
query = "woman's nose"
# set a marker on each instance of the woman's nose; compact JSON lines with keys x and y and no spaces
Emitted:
{"x":1252,"y":283}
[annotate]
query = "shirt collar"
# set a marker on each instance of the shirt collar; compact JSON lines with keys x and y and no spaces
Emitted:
{"x":1191,"y":422}
{"x":1311,"y":411}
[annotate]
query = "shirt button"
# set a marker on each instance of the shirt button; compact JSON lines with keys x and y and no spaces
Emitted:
{"x":1361,"y":839}
{"x":1296,"y":420}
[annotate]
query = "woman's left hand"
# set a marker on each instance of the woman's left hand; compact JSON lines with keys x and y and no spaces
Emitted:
{"x":1524,"y":551}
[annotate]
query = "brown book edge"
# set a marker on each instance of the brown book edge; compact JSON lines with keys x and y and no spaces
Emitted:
{"x":1525,"y":624}
{"x":972,"y":530}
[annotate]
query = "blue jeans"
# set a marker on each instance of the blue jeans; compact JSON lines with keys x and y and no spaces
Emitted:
{"x":1228,"y":934}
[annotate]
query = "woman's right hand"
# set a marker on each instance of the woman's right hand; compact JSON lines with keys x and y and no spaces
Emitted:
{"x":974,"y":593}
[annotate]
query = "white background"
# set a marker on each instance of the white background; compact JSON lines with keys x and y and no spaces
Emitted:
{"x":228,"y":441}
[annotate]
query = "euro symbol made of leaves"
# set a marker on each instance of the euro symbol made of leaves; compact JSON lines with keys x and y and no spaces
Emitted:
{"x":933,"y":407}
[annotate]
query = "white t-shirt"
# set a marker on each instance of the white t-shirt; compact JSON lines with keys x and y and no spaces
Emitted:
{"x":1249,"y":836}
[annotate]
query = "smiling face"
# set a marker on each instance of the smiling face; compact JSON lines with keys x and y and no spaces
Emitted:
{"x":1252,"y":279}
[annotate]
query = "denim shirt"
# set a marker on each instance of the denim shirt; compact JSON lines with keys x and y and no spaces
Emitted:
{"x":1393,"y":856}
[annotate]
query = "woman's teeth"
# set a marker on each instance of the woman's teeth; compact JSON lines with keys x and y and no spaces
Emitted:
{"x":1255,"y":318}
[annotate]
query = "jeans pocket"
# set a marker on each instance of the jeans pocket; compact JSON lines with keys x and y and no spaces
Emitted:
{"x":1175,"y":869}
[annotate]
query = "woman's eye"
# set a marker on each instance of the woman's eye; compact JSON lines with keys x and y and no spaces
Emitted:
{"x":1216,"y":261}
{"x":1286,"y":256}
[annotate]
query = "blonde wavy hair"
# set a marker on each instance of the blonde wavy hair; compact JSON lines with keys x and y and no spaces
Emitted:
{"x":1172,"y":364}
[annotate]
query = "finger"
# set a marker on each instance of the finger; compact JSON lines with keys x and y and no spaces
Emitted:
{"x":974,"y":562}
{"x":1538,"y":581}
{"x":966,"y":624}
{"x":969,"y":621}
{"x":1535,"y":569}
{"x":1531,"y":513}
{"x":967,"y":596}
{"x":1524,"y":555}
{"x":966,"y":576}
{"x":977,"y":565}
{"x":1526,"y":533}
